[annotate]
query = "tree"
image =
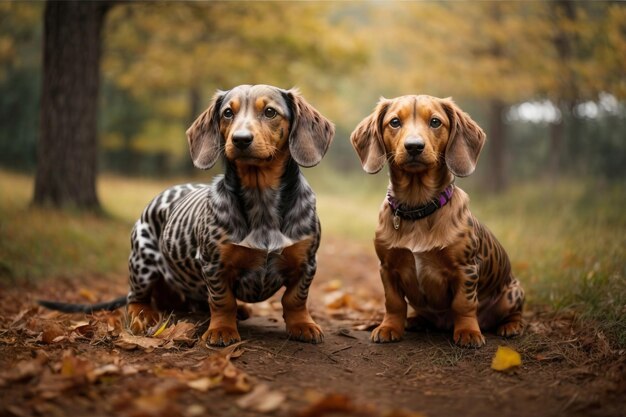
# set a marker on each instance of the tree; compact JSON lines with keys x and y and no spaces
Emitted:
{"x":67,"y":148}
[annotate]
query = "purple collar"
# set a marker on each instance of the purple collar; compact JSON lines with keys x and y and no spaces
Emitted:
{"x":400,"y":211}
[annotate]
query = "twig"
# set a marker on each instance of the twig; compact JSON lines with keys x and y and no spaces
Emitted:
{"x":341,"y":349}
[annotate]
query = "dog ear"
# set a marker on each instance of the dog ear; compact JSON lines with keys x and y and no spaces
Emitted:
{"x":367,"y":139}
{"x":311,"y":133}
{"x":204,"y":137}
{"x":465,"y":142}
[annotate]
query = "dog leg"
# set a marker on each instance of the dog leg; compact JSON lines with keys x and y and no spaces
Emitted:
{"x":144,"y":275}
{"x":300,"y":325}
{"x":465,"y":307}
{"x":392,"y":327}
{"x":298,"y":265}
{"x":510,"y":308}
{"x":394,"y":266}
{"x":222,"y":329}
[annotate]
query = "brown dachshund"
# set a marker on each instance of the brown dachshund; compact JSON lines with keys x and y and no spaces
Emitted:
{"x":433,"y":253}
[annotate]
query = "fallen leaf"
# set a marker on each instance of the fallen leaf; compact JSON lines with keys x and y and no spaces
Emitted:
{"x":181,"y":332}
{"x":338,"y":299}
{"x":204,"y":384}
{"x":161,"y":328}
{"x":88,"y":295}
{"x":261,"y":399}
{"x":331,"y":403}
{"x":128,"y":341}
{"x":50,"y":331}
{"x":108,"y":370}
{"x":25,"y":370}
{"x":505,"y":359}
{"x":83,"y":328}
{"x":333,"y":285}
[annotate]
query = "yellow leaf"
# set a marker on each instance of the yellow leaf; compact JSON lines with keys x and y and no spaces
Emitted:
{"x":87,"y":294}
{"x":160,"y":329}
{"x":505,"y":359}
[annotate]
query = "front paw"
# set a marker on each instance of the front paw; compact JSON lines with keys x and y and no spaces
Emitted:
{"x":308,"y":332}
{"x":141,"y":317}
{"x":386,"y":334}
{"x":468,"y":338}
{"x":221,"y":336}
{"x":511,"y":329}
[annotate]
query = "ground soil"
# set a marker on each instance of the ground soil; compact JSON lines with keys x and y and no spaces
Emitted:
{"x":569,"y":368}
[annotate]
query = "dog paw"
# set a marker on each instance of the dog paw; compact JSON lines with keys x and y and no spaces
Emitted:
{"x":305,"y":332}
{"x":469,"y":338}
{"x":221,"y":336}
{"x":511,"y":329}
{"x":141,"y":317}
{"x":385,"y":334}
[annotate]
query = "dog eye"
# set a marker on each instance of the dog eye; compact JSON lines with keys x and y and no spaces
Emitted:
{"x":270,"y":113}
{"x":227,"y":114}
{"x":395,"y":123}
{"x":435,"y":123}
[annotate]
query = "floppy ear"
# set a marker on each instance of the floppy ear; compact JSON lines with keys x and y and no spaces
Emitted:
{"x":465,"y":142}
{"x":311,"y":133}
{"x":367,"y":139}
{"x":204,"y":136}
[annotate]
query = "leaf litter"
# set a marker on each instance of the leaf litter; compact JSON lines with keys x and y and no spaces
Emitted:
{"x":57,"y":364}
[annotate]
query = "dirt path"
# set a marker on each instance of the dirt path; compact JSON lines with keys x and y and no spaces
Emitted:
{"x":54,"y":364}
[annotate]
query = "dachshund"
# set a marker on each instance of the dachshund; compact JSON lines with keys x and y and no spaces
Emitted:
{"x":250,"y":232}
{"x":434,"y":254}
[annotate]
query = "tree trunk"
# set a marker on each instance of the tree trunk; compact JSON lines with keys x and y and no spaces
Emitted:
{"x":67,"y":148}
{"x":497,"y":147}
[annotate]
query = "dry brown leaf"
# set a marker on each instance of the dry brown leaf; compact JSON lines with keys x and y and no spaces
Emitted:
{"x":22,"y":317}
{"x":338,"y":299}
{"x":51,"y":332}
{"x":128,"y":341}
{"x":205,"y":383}
{"x":105,"y":370}
{"x":181,"y":332}
{"x":261,"y":399}
{"x":332,"y":403}
{"x":237,"y":383}
{"x":333,"y":285}
{"x":25,"y":370}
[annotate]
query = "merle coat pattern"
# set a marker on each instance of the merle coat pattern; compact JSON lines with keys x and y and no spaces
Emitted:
{"x":251,"y":231}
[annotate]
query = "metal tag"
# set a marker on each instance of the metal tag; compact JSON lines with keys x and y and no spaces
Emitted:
{"x":396,"y":222}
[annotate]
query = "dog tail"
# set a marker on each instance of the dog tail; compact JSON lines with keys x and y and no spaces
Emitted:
{"x":84,"y":308}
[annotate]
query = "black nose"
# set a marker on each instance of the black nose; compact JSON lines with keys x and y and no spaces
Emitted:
{"x":414,"y":146}
{"x":242,"y":139}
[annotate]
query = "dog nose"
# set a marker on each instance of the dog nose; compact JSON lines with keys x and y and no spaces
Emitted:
{"x":242,"y":139}
{"x":414,"y":146}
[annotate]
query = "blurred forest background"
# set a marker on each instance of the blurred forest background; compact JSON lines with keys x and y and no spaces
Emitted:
{"x":545,"y":79}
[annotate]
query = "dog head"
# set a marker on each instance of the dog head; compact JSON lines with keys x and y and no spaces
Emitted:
{"x":252,"y":124}
{"x":417,"y":134}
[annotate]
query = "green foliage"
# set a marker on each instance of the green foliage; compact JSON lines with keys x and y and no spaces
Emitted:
{"x":162,"y":63}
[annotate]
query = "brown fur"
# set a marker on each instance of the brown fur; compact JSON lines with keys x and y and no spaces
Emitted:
{"x":449,"y":268}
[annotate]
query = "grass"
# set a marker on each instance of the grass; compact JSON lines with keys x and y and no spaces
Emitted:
{"x":567,"y":241}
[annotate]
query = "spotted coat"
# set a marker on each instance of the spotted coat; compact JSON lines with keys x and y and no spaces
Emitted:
{"x":179,"y":234}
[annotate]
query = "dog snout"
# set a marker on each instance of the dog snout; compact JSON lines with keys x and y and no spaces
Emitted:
{"x":414,"y":145}
{"x":242,"y":138}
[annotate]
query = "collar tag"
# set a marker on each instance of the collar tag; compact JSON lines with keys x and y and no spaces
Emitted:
{"x":396,"y":220}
